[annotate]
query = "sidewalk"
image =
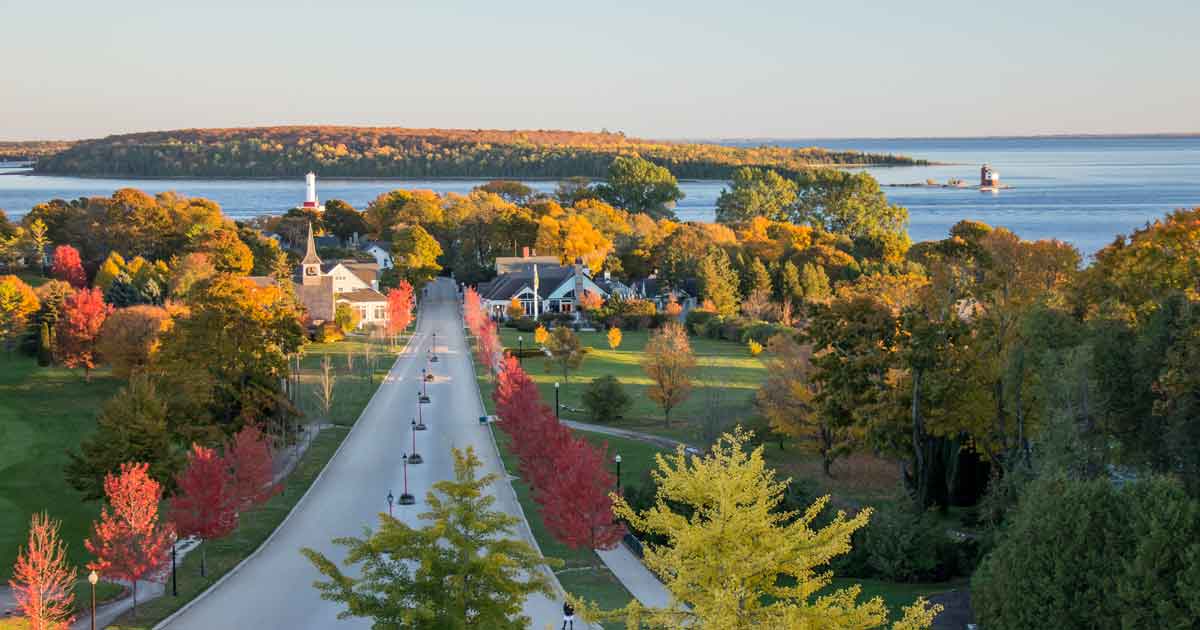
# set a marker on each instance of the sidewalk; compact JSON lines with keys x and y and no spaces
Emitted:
{"x":657,"y":440}
{"x":635,"y":577}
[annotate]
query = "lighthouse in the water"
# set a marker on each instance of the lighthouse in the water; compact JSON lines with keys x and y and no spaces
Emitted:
{"x":310,"y":193}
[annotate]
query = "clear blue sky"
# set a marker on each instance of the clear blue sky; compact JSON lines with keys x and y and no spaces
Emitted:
{"x":652,"y":68}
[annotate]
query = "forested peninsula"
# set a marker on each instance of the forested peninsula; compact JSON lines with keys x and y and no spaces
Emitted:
{"x":400,"y":152}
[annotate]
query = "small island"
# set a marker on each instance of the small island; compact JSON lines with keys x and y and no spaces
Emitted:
{"x":393,"y":152}
{"x":989,"y":181}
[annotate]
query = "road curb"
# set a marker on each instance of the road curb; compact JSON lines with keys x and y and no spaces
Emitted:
{"x":175,"y":615}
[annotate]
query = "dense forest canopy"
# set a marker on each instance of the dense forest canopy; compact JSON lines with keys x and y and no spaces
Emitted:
{"x":32,"y":149}
{"x":399,"y":152}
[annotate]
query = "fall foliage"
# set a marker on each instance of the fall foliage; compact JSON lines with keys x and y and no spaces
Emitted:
{"x":614,"y":338}
{"x":68,"y":267}
{"x":42,"y":582}
{"x":129,"y":337}
{"x":204,"y":504}
{"x":18,"y":303}
{"x":128,"y":541}
{"x":669,"y":363}
{"x":78,"y":330}
{"x":249,"y":458}
{"x":400,"y":308}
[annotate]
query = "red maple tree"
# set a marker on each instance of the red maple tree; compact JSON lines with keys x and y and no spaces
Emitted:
{"x":249,"y":458}
{"x":576,"y":505}
{"x":472,"y":310}
{"x":204,"y":505}
{"x":42,"y":581}
{"x":78,"y":329}
{"x":487,"y":345}
{"x":68,"y":266}
{"x":400,"y":308}
{"x":128,"y":541}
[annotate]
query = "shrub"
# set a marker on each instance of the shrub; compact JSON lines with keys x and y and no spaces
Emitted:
{"x":697,"y":321}
{"x":1086,"y":554}
{"x":605,"y":399}
{"x":524,"y":324}
{"x":327,"y":333}
{"x":755,"y":348}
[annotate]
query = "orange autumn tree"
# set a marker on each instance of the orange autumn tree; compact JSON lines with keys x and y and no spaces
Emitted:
{"x":128,"y":541}
{"x":400,"y":308}
{"x":78,"y":329}
{"x":669,"y":363}
{"x":42,"y":582}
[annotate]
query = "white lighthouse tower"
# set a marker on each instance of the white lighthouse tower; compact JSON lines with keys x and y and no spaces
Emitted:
{"x":310,"y":193}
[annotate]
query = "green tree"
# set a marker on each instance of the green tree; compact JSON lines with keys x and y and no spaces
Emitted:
{"x":718,"y":282}
{"x":814,"y":284}
{"x":132,"y":427}
{"x":1129,"y":561}
{"x":343,"y":221}
{"x":416,"y":254}
{"x":852,"y":204}
{"x":639,"y":185}
{"x":741,"y":562}
{"x":346,"y":317}
{"x":757,"y":192}
{"x":463,"y":570}
{"x":757,"y":278}
{"x":790,"y":287}
{"x":605,"y":399}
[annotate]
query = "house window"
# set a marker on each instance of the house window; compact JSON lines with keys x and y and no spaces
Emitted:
{"x":380,"y":312}
{"x":564,"y":307}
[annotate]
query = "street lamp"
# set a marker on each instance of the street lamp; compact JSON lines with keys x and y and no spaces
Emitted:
{"x":390,"y":499}
{"x":93,"y":577}
{"x":415,"y":458}
{"x":556,"y":400}
{"x":424,"y":391}
{"x":421,"y":399}
{"x":405,"y":497}
{"x":520,"y":349}
{"x":174,"y":581}
{"x":618,"y":460}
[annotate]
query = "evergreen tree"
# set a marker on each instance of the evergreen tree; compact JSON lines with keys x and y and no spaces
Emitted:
{"x":45,"y":353}
{"x":760,"y":278}
{"x":121,"y":292}
{"x":719,"y":282}
{"x":132,"y":427}
{"x":464,"y":569}
{"x":814,"y":284}
{"x":790,"y":286}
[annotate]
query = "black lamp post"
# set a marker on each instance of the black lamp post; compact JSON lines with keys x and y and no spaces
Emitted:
{"x":390,"y":499}
{"x":556,"y":400}
{"x":93,"y":577}
{"x":421,"y":399}
{"x":174,"y":581}
{"x":405,"y":497}
{"x":414,"y":458}
{"x":520,"y":350}
{"x":618,"y":460}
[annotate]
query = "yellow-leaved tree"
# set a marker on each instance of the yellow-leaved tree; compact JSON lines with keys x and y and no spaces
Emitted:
{"x":739,"y":562}
{"x":614,"y":338}
{"x":540,"y":335}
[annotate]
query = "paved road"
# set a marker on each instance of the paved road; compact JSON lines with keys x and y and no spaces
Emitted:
{"x":274,"y":589}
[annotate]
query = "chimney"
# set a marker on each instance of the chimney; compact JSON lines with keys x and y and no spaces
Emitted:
{"x":525,"y":252}
{"x":578,"y":280}
{"x":606,"y":276}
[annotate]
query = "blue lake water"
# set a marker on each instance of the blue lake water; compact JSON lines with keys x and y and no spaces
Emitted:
{"x":1082,"y":190}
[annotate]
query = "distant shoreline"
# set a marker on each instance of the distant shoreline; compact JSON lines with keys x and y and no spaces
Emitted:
{"x":1182,"y":135}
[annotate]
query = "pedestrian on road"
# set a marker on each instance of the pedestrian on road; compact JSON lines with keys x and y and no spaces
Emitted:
{"x":568,"y":616}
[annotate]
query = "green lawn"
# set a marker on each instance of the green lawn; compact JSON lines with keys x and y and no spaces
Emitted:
{"x":44,"y":411}
{"x":47,"y":411}
{"x":726,"y":377}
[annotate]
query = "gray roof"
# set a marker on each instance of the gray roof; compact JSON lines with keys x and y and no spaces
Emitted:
{"x":362,"y":295}
{"x":506,"y":285}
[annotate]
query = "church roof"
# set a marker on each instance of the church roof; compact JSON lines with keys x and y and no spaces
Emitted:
{"x":310,"y":254}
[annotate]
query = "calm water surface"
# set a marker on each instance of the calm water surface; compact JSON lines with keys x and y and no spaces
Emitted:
{"x":1082,"y":190}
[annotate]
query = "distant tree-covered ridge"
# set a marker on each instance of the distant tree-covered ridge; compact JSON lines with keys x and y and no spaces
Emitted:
{"x":399,"y":152}
{"x":31,"y":150}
